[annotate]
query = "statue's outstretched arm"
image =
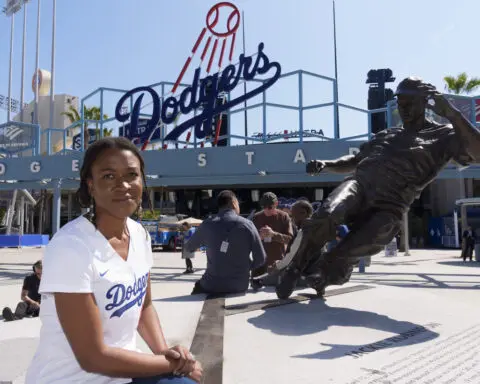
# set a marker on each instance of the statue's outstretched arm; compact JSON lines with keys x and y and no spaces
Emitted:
{"x":344,"y":164}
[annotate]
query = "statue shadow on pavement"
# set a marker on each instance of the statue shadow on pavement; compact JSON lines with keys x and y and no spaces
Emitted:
{"x":316,"y":316}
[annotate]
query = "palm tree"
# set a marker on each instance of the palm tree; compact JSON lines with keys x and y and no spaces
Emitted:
{"x":106,"y":132}
{"x":461,"y":83}
{"x":92,"y":113}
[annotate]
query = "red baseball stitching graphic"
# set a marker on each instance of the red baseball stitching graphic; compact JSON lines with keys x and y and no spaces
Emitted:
{"x":212,"y":19}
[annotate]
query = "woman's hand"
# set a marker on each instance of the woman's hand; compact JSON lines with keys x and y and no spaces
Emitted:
{"x":197,"y":373}
{"x":185,"y":362}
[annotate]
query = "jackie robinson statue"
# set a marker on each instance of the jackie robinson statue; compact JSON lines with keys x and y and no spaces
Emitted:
{"x":386,"y":175}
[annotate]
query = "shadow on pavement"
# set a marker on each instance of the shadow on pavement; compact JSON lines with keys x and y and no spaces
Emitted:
{"x":197,"y":297}
{"x":461,"y":263}
{"x":317,"y":316}
{"x":183,"y":299}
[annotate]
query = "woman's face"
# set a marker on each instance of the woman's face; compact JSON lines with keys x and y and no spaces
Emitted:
{"x":116,"y":183}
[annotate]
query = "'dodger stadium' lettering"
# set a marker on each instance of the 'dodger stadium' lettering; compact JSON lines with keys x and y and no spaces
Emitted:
{"x":195,"y":95}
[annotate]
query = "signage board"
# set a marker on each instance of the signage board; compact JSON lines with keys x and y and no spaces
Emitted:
{"x":77,"y":139}
{"x":139,"y":133}
{"x":17,"y":137}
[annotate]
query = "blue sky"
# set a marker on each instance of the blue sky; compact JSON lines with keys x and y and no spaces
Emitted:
{"x":128,"y":43}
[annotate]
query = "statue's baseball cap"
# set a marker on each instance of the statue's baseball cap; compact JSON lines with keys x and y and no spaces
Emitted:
{"x":409,"y":86}
{"x":268,"y":200}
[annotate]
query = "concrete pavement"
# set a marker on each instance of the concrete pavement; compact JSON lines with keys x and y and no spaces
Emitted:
{"x":418,"y":322}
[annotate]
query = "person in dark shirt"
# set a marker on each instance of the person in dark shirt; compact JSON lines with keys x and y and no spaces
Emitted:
{"x":229,"y":239}
{"x":468,"y":244}
{"x":301,"y":211}
{"x":388,"y":173}
{"x":30,"y":304}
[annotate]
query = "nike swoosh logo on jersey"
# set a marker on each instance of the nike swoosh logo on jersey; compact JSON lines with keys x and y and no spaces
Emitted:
{"x":104,"y":273}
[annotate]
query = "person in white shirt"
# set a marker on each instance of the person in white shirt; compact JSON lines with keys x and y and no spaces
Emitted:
{"x":95,"y":287}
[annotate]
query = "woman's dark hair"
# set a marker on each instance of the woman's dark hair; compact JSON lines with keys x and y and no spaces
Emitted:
{"x":93,"y":152}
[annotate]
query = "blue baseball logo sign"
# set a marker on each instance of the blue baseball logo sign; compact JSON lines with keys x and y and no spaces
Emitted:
{"x":203,"y":92}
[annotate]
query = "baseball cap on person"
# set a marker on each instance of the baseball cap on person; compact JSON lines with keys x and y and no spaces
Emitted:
{"x":268,"y":199}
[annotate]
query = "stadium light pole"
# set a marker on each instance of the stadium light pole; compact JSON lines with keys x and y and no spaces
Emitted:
{"x":37,"y":64}
{"x":9,"y":103}
{"x":52,"y":96}
{"x":245,"y":83}
{"x":22,"y":86}
{"x":337,"y":125}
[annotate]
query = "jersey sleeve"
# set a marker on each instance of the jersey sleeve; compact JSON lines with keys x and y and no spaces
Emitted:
{"x":67,"y":266}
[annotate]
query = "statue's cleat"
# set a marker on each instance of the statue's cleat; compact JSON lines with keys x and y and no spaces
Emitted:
{"x":320,"y":291}
{"x":318,"y":282}
{"x":256,"y":284}
{"x":287,"y":283}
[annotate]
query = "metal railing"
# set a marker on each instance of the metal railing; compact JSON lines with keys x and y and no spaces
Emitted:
{"x":265,"y":137}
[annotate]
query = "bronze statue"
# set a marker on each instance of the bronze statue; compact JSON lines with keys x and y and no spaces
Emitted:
{"x":388,"y":173}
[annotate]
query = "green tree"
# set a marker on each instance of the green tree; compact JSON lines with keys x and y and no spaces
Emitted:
{"x":92,"y":113}
{"x":461,"y":84}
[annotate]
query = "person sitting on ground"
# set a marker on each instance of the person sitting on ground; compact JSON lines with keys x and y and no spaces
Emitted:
{"x":229,"y":239}
{"x":96,"y":285}
{"x":301,"y":211}
{"x":30,"y":304}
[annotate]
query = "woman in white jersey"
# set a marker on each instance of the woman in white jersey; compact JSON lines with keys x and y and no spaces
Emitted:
{"x":95,"y":286}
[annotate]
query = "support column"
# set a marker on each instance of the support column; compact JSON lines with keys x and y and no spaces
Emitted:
{"x":26,"y":216}
{"x":406,"y":235}
{"x":21,"y":215}
{"x":41,"y":212}
{"x":11,"y":212}
{"x":69,"y":206}
{"x":152,"y":198}
{"x":32,"y":220}
{"x":161,"y":200}
{"x":463,"y":218}
{"x":56,"y":206}
{"x":455,"y":228}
